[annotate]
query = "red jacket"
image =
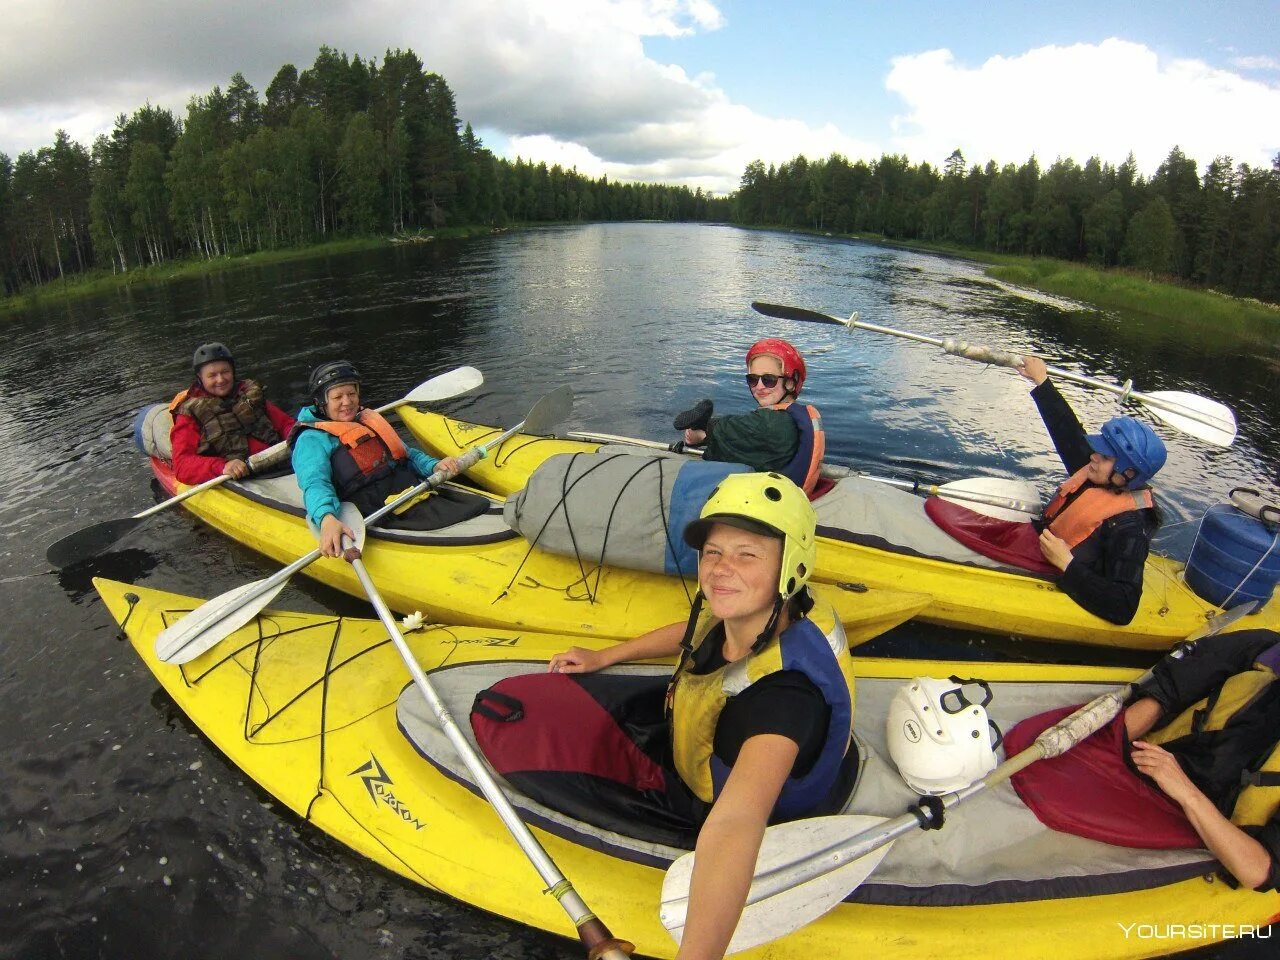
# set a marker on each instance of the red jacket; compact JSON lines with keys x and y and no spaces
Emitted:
{"x":190,"y":467}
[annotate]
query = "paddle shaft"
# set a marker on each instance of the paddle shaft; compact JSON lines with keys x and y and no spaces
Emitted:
{"x":1052,"y":742}
{"x":222,"y":615}
{"x":836,"y":471}
{"x":595,"y":936}
{"x":255,"y":463}
{"x":822,"y":862}
{"x":465,"y":462}
{"x":1001,"y":358}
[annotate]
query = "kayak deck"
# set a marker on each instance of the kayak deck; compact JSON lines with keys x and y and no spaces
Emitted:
{"x":307,"y":706}
{"x":481,"y":572}
{"x":970,"y":596}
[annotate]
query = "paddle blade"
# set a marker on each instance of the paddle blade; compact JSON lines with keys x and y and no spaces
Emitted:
{"x":795,"y":313}
{"x":214,"y":620}
{"x":451,"y":384}
{"x":1202,"y":418}
{"x":1021,"y":498}
{"x":771,"y":913}
{"x":550,"y":410}
{"x":89,"y":542}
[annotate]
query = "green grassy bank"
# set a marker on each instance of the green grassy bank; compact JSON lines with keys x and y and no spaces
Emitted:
{"x":1125,"y":290}
{"x":97,"y":282}
{"x":1111,"y":288}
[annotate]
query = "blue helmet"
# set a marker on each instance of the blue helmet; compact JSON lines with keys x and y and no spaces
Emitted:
{"x":1135,"y":447}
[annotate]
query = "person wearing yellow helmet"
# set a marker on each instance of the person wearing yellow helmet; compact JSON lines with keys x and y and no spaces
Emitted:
{"x":760,"y":707}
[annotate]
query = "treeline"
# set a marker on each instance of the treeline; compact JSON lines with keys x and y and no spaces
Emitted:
{"x":346,"y":147}
{"x":1219,"y":229}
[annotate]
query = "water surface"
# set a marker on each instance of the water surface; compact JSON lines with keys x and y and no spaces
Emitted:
{"x":125,"y":834}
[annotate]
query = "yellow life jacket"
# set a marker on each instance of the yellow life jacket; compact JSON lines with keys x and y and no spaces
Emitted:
{"x":815,"y":645}
{"x":1259,"y":797}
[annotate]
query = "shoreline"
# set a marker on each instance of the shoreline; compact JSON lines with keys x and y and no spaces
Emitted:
{"x":1100,"y":287}
{"x":102,"y":282}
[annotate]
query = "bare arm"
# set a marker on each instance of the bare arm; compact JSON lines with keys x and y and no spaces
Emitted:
{"x":1244,"y":857}
{"x":729,"y":843}
{"x":1140,"y":716}
{"x":662,"y":642}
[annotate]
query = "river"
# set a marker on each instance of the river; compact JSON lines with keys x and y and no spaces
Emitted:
{"x":125,"y":834}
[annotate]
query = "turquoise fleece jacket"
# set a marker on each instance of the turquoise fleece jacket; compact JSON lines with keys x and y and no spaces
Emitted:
{"x":311,"y":452}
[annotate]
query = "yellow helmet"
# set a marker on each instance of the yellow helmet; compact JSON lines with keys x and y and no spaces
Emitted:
{"x":767,"y":504}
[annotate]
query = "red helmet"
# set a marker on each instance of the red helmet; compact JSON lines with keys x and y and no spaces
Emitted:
{"x":792,"y":362}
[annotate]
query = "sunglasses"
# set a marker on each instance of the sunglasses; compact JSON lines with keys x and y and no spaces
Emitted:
{"x":770,"y":380}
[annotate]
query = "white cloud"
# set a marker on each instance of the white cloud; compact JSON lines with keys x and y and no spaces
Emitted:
{"x":566,"y":81}
{"x":1256,"y":63}
{"x":1079,"y":101}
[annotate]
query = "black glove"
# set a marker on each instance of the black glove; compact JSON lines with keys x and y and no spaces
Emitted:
{"x":695,"y":418}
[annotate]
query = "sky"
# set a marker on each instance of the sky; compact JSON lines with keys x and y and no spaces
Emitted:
{"x":690,"y":91}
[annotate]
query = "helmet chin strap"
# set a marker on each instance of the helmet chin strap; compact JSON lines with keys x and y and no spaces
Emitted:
{"x":686,"y":642}
{"x":767,"y":633}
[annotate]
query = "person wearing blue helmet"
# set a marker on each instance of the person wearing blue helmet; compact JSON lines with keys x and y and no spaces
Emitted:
{"x":1097,"y":530}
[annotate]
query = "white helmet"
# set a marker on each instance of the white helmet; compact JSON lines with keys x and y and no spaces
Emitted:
{"x":940,"y":739}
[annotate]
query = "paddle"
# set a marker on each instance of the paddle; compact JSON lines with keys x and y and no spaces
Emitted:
{"x":1198,"y":416}
{"x":225,"y":614}
{"x":92,"y":540}
{"x":807,"y":867}
{"x":1005,"y":499}
{"x":595,"y":936}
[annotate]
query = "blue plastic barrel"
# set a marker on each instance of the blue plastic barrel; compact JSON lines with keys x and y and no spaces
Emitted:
{"x":1229,"y":545}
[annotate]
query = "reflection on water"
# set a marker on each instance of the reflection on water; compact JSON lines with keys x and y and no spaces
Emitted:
{"x":117,"y":813}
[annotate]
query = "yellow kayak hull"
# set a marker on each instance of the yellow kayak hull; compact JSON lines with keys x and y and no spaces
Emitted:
{"x":422,"y":825}
{"x":966,"y":597}
{"x":505,"y":583}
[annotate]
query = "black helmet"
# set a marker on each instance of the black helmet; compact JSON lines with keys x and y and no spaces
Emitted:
{"x":209,"y":352}
{"x":330,"y":375}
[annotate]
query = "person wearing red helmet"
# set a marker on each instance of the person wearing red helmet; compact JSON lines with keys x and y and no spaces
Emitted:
{"x":780,"y":435}
{"x":1097,"y":530}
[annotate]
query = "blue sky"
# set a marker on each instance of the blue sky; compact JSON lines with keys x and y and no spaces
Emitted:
{"x":689,"y":91}
{"x":826,"y":60}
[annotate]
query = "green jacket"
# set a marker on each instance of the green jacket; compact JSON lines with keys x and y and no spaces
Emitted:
{"x":764,"y":439}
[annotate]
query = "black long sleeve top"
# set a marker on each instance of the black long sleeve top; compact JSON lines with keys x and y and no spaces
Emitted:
{"x":1105,"y":574}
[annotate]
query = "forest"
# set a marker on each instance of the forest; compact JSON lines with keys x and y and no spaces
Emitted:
{"x":345,"y":148}
{"x":350,"y":147}
{"x":1219,"y":230}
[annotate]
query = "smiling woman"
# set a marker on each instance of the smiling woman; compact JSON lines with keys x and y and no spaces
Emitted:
{"x":343,"y":452}
{"x":760,"y":707}
{"x":780,"y":434}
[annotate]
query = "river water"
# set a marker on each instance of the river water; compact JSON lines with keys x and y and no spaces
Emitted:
{"x":124,"y":834}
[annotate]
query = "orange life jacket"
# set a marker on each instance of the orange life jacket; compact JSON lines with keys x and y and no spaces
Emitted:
{"x":370,"y":461}
{"x":805,"y":468}
{"x":1074,"y":522}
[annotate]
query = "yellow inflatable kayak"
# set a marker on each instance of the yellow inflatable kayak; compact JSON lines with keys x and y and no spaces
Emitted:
{"x":319,"y":711}
{"x":994,"y":599}
{"x":478,"y":571}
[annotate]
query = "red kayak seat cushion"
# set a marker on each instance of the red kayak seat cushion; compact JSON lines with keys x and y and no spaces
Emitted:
{"x":1091,"y":791}
{"x":564,"y":729}
{"x":1012,"y":542}
{"x":823,"y":485}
